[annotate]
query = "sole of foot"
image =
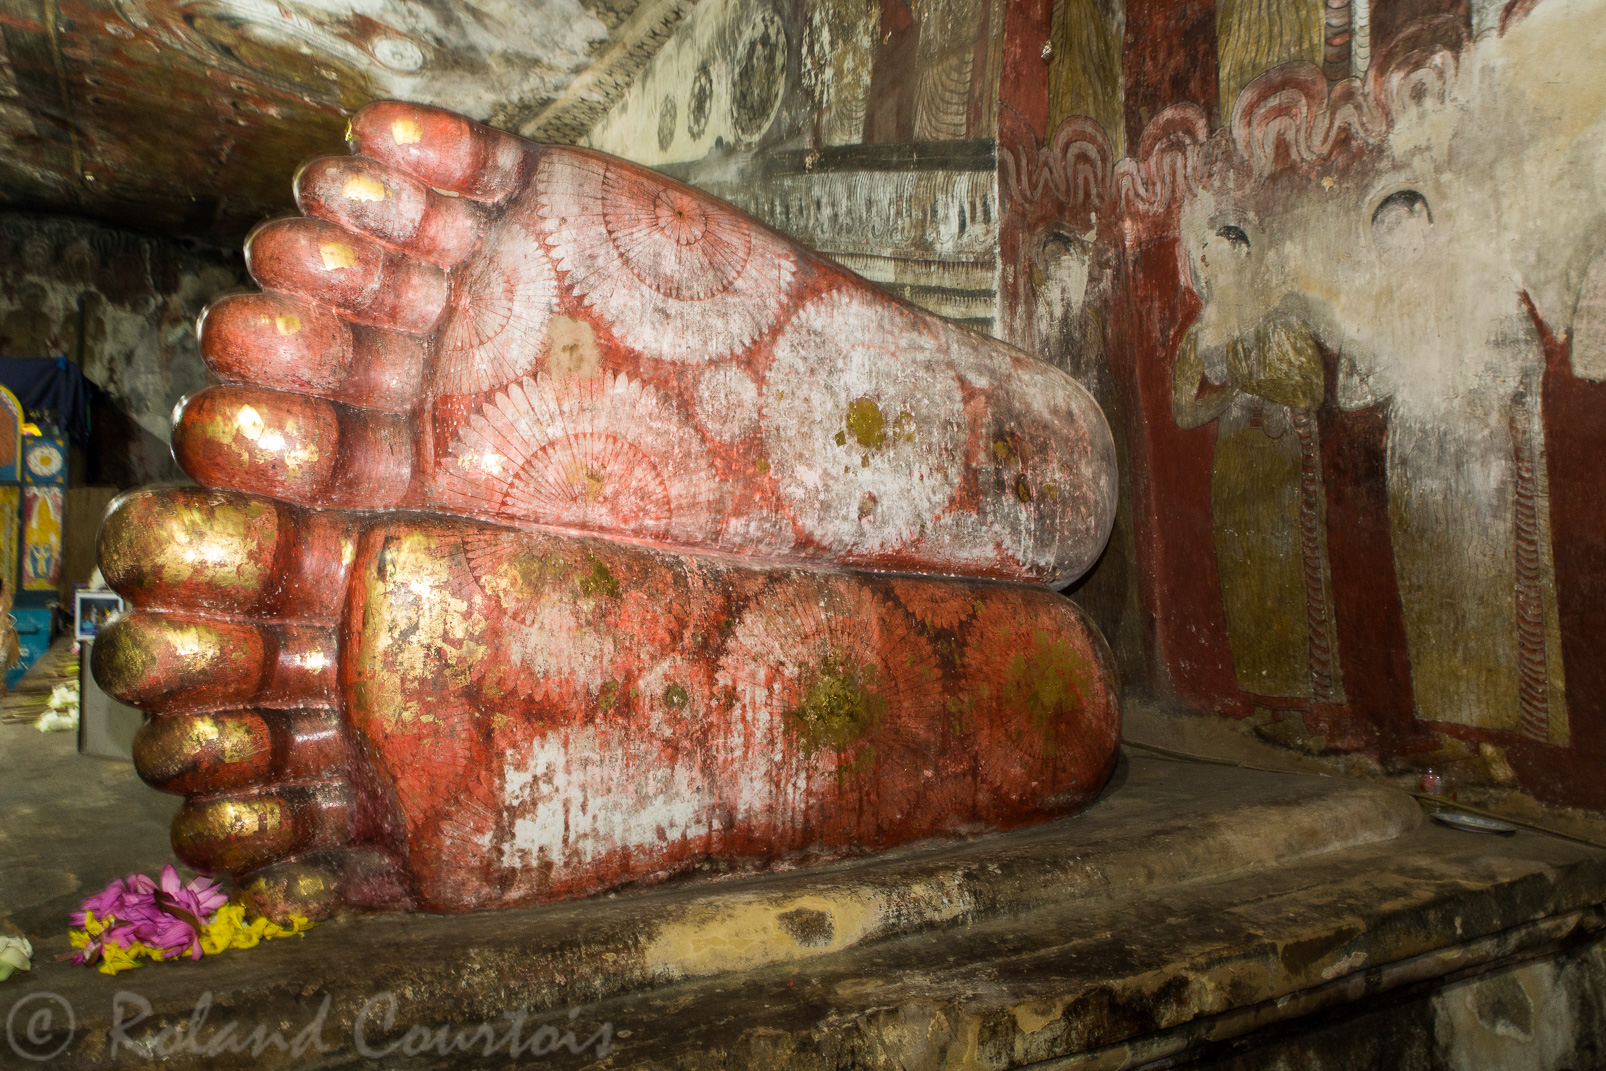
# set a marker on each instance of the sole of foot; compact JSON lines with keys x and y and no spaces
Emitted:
{"x":467,"y":323}
{"x":393,"y":709}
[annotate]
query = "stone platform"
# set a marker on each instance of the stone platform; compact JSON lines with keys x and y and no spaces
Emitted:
{"x":1197,"y":915}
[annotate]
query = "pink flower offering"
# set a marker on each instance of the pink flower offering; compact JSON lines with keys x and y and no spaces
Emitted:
{"x":136,"y":910}
{"x":120,"y":899}
{"x":185,"y":910}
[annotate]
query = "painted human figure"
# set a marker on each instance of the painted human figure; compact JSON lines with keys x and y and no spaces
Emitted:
{"x":1469,"y":503}
{"x":1465,"y":468}
{"x":1259,"y":378}
{"x":515,"y":571}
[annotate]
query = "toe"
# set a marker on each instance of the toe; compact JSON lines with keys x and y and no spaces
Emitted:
{"x":204,"y":754}
{"x":269,"y":442}
{"x":443,"y":150}
{"x":282,"y":891}
{"x":370,"y":284}
{"x":172,"y":662}
{"x":161,"y":662}
{"x":239,"y":833}
{"x":367,"y":196}
{"x":276,"y":340}
{"x":305,"y":450}
{"x":316,"y":885}
{"x":227,"y":554}
{"x":289,"y":343}
{"x":197,"y":549}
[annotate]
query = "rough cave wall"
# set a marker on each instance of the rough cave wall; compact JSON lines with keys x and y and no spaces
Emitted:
{"x":123,"y":306}
{"x":863,"y":128}
{"x":191,"y":115}
{"x":1339,"y":264}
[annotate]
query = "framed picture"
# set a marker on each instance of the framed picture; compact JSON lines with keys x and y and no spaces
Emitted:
{"x":41,"y":537}
{"x":92,"y":610}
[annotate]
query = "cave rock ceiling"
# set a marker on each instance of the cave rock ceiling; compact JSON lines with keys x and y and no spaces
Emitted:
{"x":191,"y":115}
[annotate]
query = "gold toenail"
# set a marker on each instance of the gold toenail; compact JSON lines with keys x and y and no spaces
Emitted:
{"x":363,"y":188}
{"x":405,"y":132}
{"x":337,"y":255}
{"x":288,"y":323}
{"x":249,"y":423}
{"x":234,"y":740}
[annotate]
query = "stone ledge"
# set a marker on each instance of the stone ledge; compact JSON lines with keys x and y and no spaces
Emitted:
{"x":1191,"y":903}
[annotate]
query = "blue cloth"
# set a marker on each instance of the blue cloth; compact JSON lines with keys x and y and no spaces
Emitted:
{"x":51,"y":390}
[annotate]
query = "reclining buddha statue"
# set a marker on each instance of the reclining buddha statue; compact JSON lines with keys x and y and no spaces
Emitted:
{"x":560,"y":527}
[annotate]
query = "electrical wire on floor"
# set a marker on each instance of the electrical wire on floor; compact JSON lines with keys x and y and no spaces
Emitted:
{"x":1437,"y":801}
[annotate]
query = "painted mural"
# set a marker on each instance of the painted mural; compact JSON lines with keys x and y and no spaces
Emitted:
{"x":863,"y":130}
{"x":12,"y":419}
{"x":1261,"y":390}
{"x":10,"y":532}
{"x":41,"y":537}
{"x":1351,"y":305}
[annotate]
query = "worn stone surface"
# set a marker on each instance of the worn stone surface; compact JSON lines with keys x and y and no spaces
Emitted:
{"x":1536,"y":1014}
{"x":75,"y":824}
{"x":1191,"y":906}
{"x":192,"y":116}
{"x":1468,"y":775}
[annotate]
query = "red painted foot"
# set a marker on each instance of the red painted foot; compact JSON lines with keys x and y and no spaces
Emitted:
{"x":508,"y":717}
{"x":390,"y":657}
{"x":471,"y":324}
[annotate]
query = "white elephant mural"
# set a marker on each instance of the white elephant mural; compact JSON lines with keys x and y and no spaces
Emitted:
{"x":1431,"y":232}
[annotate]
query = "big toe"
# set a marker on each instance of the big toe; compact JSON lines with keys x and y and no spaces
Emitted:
{"x":444,"y":150}
{"x":305,"y":450}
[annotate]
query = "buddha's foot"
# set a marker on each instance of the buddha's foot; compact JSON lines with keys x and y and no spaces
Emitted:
{"x":471,"y":324}
{"x":397,"y":709}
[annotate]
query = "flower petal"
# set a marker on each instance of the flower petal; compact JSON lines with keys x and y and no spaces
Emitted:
{"x":170,"y":883}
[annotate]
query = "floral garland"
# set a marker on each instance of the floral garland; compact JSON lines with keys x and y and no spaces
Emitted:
{"x":136,"y":918}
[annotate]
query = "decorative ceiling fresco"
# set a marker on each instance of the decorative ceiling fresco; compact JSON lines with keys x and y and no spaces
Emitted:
{"x":191,"y":115}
